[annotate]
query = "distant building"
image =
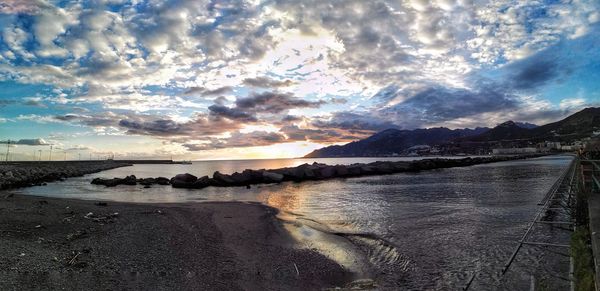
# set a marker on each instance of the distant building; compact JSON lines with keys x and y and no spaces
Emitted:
{"x":508,"y":151}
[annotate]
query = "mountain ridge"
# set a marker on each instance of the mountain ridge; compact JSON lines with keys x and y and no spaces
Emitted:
{"x":395,"y":141}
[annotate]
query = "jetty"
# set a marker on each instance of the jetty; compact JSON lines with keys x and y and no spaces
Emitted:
{"x":308,"y":172}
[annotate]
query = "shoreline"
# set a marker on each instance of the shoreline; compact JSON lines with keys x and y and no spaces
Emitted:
{"x":55,"y":243}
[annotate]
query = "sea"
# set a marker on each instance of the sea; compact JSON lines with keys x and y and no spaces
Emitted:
{"x":442,"y":229}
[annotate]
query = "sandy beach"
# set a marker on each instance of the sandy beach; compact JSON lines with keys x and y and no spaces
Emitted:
{"x":63,"y":244}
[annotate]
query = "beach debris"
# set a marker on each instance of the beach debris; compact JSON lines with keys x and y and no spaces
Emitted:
{"x":76,"y":235}
{"x":297,"y":272}
{"x":22,"y":255}
{"x":39,"y":226}
{"x":72,"y":260}
{"x":100,"y":204}
{"x":42,"y":202}
{"x":9,"y":195}
{"x":362,"y":284}
{"x":109,"y":218}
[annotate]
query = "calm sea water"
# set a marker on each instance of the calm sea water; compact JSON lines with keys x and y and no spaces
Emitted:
{"x":424,"y":231}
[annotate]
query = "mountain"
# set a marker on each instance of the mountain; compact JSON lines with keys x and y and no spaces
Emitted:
{"x":579,"y":125}
{"x":526,"y":125}
{"x":505,"y":131}
{"x":392,"y":141}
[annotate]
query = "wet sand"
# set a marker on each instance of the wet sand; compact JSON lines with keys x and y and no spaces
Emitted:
{"x":51,"y":244}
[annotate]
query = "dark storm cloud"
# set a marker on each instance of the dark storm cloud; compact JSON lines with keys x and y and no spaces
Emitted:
{"x":231,"y":113}
{"x":265,"y":82}
{"x":273,"y":102}
{"x":438,"y":104}
{"x":534,"y":73}
{"x":362,"y":123}
{"x":154,"y":127}
{"x":107,"y":119}
{"x":201,"y":126}
{"x":387,"y":93}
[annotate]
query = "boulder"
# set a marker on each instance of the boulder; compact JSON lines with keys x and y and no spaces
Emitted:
{"x":162,"y":181}
{"x":147,"y":181}
{"x":341,"y":171}
{"x":186,"y":178}
{"x":203,"y":182}
{"x":271,"y":177}
{"x":243,"y":178}
{"x":325,"y":172}
{"x":183,"y":181}
{"x":223,"y":179}
{"x":129,"y":180}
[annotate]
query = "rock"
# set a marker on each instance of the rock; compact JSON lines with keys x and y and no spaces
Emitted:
{"x":147,"y":181}
{"x":325,"y":172}
{"x":186,"y":178}
{"x":341,"y":171}
{"x":271,"y":177}
{"x":203,"y":182}
{"x":162,"y":181}
{"x":223,"y":179}
{"x":241,"y":178}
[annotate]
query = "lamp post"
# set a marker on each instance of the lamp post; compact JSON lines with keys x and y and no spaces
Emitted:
{"x":7,"y":149}
{"x":50,"y":157}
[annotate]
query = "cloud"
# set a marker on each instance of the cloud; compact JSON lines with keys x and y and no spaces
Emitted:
{"x":274,"y":102}
{"x":356,"y":122}
{"x":206,"y":92}
{"x":265,"y":82}
{"x":20,"y":6}
{"x":534,"y":74}
{"x":201,"y":126}
{"x":438,"y":104}
{"x":231,"y":113}
{"x":27,"y":142}
{"x":237,"y":140}
{"x":34,"y":101}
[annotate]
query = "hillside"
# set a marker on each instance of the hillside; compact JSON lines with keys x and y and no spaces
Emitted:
{"x":395,"y":141}
{"x":392,"y":141}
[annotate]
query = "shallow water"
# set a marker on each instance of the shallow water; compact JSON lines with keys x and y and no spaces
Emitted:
{"x":425,"y":231}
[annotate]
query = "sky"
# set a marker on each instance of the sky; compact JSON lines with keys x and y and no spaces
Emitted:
{"x":194,"y":79}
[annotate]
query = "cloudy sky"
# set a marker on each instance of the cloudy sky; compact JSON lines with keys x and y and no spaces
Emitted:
{"x":256,"y":79}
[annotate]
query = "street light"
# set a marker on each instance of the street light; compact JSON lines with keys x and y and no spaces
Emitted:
{"x":7,"y":149}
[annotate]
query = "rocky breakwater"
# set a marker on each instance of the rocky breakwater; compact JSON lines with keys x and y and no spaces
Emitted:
{"x":24,"y":174}
{"x":317,"y":171}
{"x":131,"y":180}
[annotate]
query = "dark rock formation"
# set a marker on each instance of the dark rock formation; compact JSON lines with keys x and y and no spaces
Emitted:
{"x":129,"y":180}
